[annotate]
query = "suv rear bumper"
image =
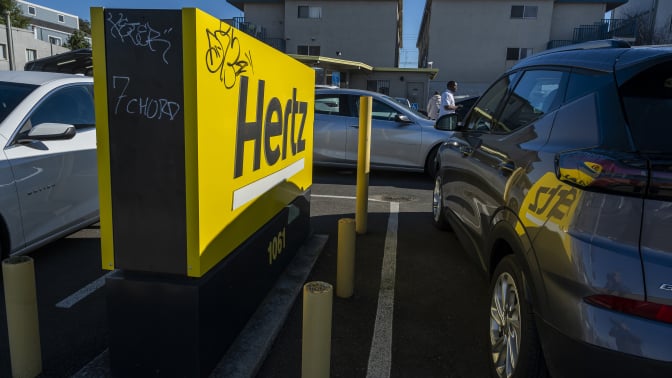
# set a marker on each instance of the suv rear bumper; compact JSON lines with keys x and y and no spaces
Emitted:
{"x":567,"y":357}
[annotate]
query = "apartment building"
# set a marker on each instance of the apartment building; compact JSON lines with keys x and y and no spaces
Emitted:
{"x":349,"y":43}
{"x":475,"y":41}
{"x":653,"y":16}
{"x":49,"y":25}
{"x":366,"y":31}
{"x":49,"y":29}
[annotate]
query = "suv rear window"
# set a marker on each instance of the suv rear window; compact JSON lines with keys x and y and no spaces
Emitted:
{"x":647,"y":98}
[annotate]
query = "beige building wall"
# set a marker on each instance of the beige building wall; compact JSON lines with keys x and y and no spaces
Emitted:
{"x":24,"y":40}
{"x":469,"y":39}
{"x":566,"y":17}
{"x":363,"y":31}
{"x":270,"y":16}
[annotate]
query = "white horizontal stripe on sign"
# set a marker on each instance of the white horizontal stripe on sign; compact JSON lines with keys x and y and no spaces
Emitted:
{"x":251,"y":191}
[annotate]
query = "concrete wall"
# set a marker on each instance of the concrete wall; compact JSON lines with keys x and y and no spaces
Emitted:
{"x":566,"y":17}
{"x":410,"y":85}
{"x":23,"y":40}
{"x":270,"y":16}
{"x":469,"y":39}
{"x":49,"y":15}
{"x":363,"y":31}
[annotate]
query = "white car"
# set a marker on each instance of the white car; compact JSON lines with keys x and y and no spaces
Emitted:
{"x":48,"y":169}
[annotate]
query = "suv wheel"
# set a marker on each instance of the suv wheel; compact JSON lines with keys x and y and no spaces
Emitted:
{"x":514,"y":345}
{"x":438,"y":216}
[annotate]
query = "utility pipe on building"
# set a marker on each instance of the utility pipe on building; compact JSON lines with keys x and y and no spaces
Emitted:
{"x":10,"y":41}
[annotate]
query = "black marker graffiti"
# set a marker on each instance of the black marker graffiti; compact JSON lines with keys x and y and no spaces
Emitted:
{"x":224,"y":56}
{"x":139,"y":34}
{"x":150,"y":108}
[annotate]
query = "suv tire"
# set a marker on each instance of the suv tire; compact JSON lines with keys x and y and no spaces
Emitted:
{"x":515,"y":350}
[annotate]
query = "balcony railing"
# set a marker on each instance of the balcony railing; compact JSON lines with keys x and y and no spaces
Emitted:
{"x":605,"y":29}
{"x":258,"y":32}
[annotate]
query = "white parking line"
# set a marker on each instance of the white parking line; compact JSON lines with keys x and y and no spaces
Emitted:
{"x":380,"y":356}
{"x":83,"y":292}
{"x":345,"y":197}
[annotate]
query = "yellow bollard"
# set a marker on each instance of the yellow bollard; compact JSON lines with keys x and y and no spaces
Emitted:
{"x":316,"y":346}
{"x":363,"y":163}
{"x":345,"y":265}
{"x":22,"y":322}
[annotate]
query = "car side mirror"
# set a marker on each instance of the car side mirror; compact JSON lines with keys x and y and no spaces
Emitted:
{"x":402,"y":118}
{"x":447,"y":122}
{"x":50,"y":131}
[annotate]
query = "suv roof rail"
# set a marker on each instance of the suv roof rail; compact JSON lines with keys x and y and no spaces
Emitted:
{"x":590,"y":45}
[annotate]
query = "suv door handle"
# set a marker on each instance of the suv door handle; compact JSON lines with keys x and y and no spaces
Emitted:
{"x":466,"y":150}
{"x":507,"y":167}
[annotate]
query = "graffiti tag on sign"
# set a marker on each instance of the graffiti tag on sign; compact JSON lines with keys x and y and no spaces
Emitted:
{"x":139,"y":34}
{"x":225,"y":56}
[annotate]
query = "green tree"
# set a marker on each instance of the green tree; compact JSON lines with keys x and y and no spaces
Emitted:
{"x":17,"y":19}
{"x":85,"y":26}
{"x":77,"y":40}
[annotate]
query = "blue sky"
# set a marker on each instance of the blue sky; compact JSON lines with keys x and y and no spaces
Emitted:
{"x":221,"y":9}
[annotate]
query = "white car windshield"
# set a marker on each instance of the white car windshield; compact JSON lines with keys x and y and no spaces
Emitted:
{"x":11,"y":94}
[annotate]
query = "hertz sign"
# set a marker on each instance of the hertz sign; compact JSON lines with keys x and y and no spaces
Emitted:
{"x":204,"y":142}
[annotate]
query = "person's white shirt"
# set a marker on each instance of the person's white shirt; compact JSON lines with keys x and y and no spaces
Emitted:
{"x":447,"y":98}
{"x":433,"y":106}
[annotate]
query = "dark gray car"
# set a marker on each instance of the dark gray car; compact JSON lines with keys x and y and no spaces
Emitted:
{"x":401,"y":139}
{"x":559,"y":184}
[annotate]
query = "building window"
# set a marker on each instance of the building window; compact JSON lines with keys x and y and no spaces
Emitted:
{"x":31,"y":55}
{"x":61,"y":18}
{"x":31,"y":11}
{"x":3,"y":51}
{"x":523,"y":11}
{"x":55,"y":41}
{"x":515,"y":53}
{"x":310,"y":12}
{"x":380,"y":86}
{"x":308,"y":50}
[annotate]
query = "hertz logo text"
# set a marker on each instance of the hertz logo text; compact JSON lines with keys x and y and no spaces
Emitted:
{"x":273,"y":122}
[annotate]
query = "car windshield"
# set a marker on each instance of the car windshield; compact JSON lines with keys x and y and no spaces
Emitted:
{"x":11,"y":94}
{"x":417,"y":113}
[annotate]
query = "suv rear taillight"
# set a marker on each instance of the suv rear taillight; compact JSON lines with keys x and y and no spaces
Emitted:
{"x":603,"y":171}
{"x":648,"y":310}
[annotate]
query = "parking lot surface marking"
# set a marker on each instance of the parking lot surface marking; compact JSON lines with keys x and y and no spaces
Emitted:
{"x":83,"y":292}
{"x":380,"y":356}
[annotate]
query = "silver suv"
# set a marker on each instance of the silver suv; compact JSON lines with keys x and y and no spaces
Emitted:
{"x":559,"y":183}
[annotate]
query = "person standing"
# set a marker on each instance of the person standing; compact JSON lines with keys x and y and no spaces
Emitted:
{"x":433,"y":105}
{"x":448,"y":99}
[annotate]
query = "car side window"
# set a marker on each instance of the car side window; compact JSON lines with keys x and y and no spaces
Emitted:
{"x":331,"y":104}
{"x":537,"y":93}
{"x":379,"y":110}
{"x":482,"y":116}
{"x":382,"y":111}
{"x":72,"y":105}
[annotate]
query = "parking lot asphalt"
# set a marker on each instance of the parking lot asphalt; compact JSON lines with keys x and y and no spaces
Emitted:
{"x":419,"y":307}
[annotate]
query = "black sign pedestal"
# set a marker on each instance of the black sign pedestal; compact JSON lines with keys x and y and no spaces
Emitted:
{"x":163,"y":325}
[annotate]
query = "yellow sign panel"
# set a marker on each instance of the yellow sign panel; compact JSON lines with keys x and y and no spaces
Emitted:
{"x":248,"y":135}
{"x":200,"y":146}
